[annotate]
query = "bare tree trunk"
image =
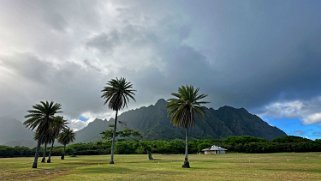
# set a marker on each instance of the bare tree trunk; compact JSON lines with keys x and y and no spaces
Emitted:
{"x":113,"y":141}
{"x":49,"y":157}
{"x":186,"y":162}
{"x":63,"y":154}
{"x":44,"y":154}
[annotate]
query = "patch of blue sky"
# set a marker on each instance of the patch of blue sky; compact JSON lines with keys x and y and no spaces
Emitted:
{"x":83,"y":118}
{"x":295,"y":127}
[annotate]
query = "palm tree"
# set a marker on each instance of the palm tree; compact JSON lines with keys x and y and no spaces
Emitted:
{"x":117,"y":94}
{"x":182,"y":110}
{"x":65,"y":137}
{"x":59,"y":124}
{"x":39,"y":118}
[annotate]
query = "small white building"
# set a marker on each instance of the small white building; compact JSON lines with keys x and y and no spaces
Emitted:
{"x":214,"y":150}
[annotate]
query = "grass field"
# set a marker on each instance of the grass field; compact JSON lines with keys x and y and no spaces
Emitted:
{"x":279,"y":166}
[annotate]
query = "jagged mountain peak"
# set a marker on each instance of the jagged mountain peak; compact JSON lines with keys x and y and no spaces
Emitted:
{"x":160,"y":102}
{"x":153,"y":123}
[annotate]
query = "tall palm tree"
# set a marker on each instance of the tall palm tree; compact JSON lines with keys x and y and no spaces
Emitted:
{"x":39,"y":118}
{"x":58,"y":124}
{"x":65,"y":137}
{"x":117,"y":94}
{"x":182,"y":110}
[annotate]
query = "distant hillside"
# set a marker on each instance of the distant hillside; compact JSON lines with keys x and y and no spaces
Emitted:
{"x":154,"y":123}
{"x":91,"y":131}
{"x":13,"y":133}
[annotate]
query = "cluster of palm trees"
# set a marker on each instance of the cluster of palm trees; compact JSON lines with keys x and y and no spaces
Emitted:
{"x":48,"y":127}
{"x":182,"y":109}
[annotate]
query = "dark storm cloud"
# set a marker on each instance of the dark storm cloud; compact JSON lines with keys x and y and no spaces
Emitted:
{"x":262,"y":51}
{"x":242,"y":53}
{"x":258,"y":51}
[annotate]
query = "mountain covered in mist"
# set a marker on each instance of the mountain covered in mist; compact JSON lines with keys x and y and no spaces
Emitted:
{"x":14,"y":133}
{"x":153,"y":123}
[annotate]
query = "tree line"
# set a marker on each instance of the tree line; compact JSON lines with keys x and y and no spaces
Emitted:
{"x":241,"y":144}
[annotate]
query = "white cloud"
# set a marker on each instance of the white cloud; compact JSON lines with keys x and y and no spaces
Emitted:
{"x":76,"y":124}
{"x":307,"y":110}
{"x":313,"y":118}
{"x":285,"y":109}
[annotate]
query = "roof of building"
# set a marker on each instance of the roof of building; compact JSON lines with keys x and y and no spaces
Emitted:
{"x":214,"y":148}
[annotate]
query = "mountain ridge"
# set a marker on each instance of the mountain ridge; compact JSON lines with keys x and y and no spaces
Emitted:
{"x":153,"y":122}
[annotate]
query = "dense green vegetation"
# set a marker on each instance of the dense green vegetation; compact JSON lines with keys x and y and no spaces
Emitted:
{"x":242,"y":144}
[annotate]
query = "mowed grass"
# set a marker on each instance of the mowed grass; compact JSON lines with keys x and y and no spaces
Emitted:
{"x":232,"y":166}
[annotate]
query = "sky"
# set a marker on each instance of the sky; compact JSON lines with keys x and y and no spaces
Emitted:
{"x":263,"y":55}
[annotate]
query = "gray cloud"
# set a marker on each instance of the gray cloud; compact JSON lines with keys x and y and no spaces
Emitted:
{"x":33,"y":79}
{"x":104,"y":42}
{"x":307,"y":110}
{"x":247,"y":54}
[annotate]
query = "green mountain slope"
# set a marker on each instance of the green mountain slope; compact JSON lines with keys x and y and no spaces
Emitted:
{"x":154,"y":123}
{"x":92,"y":131}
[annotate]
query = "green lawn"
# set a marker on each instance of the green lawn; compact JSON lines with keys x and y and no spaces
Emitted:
{"x":279,"y":166}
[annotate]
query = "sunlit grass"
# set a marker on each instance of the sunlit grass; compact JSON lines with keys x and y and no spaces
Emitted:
{"x":279,"y":166}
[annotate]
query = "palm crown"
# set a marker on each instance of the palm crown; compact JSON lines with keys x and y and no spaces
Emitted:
{"x":117,"y":93}
{"x":66,"y":136}
{"x":185,"y":105}
{"x":41,"y":115}
{"x":57,"y":124}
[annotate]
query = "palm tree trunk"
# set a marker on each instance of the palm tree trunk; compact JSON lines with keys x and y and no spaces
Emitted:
{"x":63,"y":154}
{"x":35,"y":161}
{"x":49,"y":157}
{"x":113,"y":141}
{"x":186,"y":162}
{"x":150,"y":156}
{"x":44,"y":154}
